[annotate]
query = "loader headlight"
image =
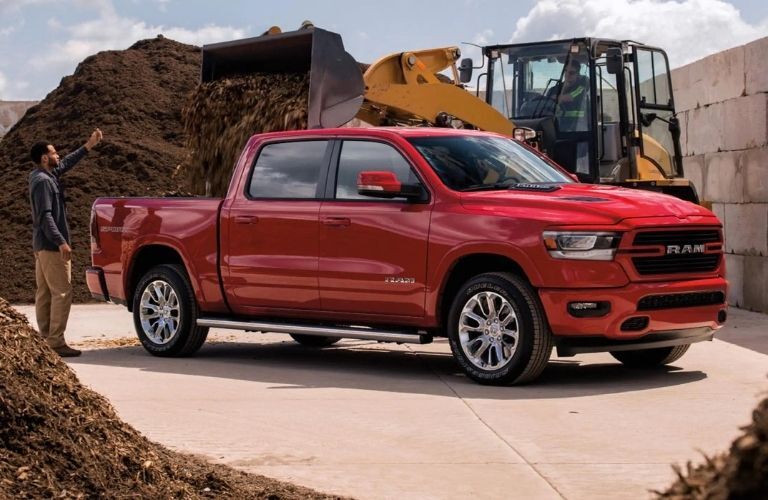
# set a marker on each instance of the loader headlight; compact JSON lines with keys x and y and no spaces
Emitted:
{"x":581,"y":245}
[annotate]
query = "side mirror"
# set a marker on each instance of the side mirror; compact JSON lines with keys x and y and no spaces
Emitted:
{"x":465,"y":70}
{"x":523,"y":134}
{"x":614,"y":61}
{"x":384,"y":184}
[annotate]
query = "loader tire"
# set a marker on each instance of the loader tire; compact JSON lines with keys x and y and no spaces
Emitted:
{"x":314,"y":340}
{"x":650,"y":358}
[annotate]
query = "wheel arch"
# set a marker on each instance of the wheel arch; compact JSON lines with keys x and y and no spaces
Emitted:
{"x":147,"y":257}
{"x":465,"y":267}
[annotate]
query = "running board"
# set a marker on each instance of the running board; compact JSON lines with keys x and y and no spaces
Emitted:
{"x":347,"y":332}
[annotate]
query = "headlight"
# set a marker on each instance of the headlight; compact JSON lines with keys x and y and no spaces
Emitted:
{"x":581,"y":245}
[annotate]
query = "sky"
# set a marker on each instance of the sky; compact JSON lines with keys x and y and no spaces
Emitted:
{"x":42,"y":41}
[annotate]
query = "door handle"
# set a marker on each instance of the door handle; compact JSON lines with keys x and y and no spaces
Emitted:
{"x":246,"y":219}
{"x":337,"y":221}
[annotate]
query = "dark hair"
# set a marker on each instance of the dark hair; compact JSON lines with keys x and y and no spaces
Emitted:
{"x":575,"y":64}
{"x":38,"y":150}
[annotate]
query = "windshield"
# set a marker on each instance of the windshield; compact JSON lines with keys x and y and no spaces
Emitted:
{"x":541,"y":80}
{"x":482,"y":162}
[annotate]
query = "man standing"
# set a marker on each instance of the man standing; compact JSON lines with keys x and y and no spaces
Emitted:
{"x":51,"y":242}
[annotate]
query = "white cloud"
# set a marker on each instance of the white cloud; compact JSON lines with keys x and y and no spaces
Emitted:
{"x":110,"y":31}
{"x":3,"y":85}
{"x":17,"y":5}
{"x":688,"y":30}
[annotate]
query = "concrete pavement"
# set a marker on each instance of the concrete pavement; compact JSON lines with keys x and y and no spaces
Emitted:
{"x":386,"y":421}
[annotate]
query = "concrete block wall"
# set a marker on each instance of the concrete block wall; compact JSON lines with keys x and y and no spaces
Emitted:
{"x":722,"y":103}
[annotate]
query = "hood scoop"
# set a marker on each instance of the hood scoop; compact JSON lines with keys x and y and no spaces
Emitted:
{"x":586,"y":199}
{"x":528,"y":186}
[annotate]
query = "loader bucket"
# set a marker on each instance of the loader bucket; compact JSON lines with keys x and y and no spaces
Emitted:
{"x":335,"y":81}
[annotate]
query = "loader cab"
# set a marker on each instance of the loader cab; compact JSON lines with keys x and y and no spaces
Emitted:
{"x":603,"y":109}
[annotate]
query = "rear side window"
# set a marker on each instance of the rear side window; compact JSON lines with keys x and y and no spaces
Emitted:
{"x":359,"y":156}
{"x":288,"y":170}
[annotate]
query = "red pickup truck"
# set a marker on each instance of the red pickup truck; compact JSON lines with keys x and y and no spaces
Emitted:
{"x":402,"y":235}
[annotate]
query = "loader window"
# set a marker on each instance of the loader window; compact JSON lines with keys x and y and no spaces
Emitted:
{"x":288,"y":170}
{"x":656,"y":111}
{"x":359,"y":156}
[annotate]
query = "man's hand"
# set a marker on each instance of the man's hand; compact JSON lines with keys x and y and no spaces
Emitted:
{"x":66,"y":252}
{"x":95,"y":138}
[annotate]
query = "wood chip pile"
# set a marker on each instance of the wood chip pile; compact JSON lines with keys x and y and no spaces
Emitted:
{"x":221,"y":116}
{"x":59,"y":439}
{"x":135,"y":96}
{"x":742,"y":473}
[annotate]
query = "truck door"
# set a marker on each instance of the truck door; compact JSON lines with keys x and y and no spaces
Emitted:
{"x":373,"y":251}
{"x":269,"y":258}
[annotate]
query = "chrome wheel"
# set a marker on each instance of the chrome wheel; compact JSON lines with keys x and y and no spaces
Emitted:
{"x":159,"y":312}
{"x":488,"y":330}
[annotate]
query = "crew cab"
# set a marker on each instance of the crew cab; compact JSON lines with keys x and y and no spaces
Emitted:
{"x":407,"y":234}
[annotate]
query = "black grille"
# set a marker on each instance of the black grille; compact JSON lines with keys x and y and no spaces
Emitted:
{"x":686,"y":237}
{"x":680,"y":300}
{"x":673,"y":264}
{"x":634,"y":324}
{"x":676,"y":263}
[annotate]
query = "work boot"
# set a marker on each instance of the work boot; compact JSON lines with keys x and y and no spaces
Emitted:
{"x":67,"y":352}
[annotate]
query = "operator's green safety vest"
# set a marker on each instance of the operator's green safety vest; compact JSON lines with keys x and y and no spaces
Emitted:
{"x":576,"y":110}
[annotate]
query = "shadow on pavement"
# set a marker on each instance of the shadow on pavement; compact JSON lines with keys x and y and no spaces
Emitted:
{"x":369,"y":366}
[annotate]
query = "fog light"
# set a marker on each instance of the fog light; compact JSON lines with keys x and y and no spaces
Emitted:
{"x":722,"y":316}
{"x":591,"y":309}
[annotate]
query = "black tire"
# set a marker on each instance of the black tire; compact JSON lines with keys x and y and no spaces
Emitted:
{"x":534,"y":340}
{"x":314,"y":340}
{"x":650,"y":358}
{"x":188,"y":337}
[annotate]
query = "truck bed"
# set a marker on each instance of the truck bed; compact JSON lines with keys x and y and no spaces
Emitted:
{"x":123,"y":226}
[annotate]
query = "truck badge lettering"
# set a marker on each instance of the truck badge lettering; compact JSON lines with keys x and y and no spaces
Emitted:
{"x":395,"y":279}
{"x":685,"y":249}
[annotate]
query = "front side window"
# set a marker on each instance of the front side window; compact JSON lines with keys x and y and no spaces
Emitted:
{"x":288,"y":170}
{"x":360,"y":156}
{"x":478,"y":162}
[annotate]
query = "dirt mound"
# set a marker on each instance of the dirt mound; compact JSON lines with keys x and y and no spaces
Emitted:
{"x":740,"y":474}
{"x":221,"y":116}
{"x":60,"y":439}
{"x":135,"y":96}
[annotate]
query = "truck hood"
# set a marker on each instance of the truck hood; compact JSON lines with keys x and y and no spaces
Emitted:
{"x":583,"y":204}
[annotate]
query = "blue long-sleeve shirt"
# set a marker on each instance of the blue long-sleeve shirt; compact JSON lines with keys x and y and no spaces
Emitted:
{"x":46,"y":196}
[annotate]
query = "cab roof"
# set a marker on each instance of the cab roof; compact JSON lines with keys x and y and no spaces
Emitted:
{"x":378,"y":132}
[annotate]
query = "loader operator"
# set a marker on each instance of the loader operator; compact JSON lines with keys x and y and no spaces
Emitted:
{"x":571,"y":98}
{"x":51,"y":241}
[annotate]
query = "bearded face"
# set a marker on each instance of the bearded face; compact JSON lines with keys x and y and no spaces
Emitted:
{"x":50,"y":159}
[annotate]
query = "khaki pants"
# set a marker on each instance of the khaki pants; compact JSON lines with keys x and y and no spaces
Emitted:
{"x":54,"y":296}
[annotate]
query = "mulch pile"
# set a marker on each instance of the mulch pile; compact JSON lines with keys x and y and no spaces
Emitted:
{"x":135,"y":96}
{"x":740,"y":474}
{"x":59,"y":439}
{"x":221,"y":116}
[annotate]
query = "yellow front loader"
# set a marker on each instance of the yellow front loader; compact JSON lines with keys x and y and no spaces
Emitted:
{"x":408,"y":88}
